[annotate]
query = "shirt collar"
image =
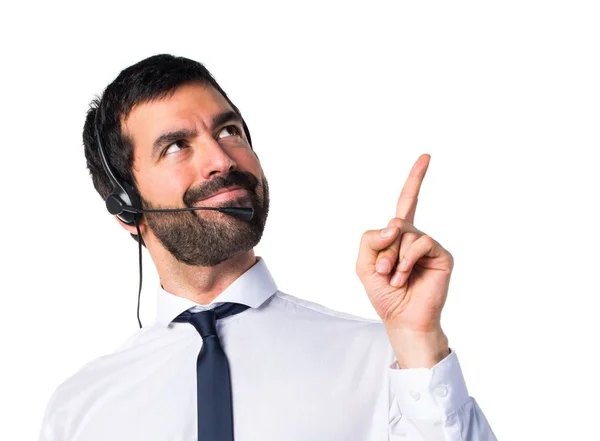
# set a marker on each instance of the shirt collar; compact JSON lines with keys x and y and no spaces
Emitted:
{"x":252,"y":288}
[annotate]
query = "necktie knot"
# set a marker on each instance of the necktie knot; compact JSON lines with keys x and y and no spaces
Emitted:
{"x":205,"y":322}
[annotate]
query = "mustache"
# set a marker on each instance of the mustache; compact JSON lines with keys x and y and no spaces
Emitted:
{"x":241,"y":179}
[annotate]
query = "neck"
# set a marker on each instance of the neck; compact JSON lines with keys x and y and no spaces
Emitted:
{"x":202,"y":284}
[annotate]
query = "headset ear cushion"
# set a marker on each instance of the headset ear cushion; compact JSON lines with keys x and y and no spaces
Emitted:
{"x":127,"y":217}
{"x":135,"y":203}
{"x":133,"y":196}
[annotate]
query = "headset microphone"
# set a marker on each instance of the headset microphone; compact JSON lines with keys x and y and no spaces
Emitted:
{"x":124,"y":202}
{"x":116,"y":207}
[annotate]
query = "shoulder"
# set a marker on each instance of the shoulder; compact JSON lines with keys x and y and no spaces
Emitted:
{"x":299,"y":305}
{"x":329,"y":327}
{"x":74,"y":395}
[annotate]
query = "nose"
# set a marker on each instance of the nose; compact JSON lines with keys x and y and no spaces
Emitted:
{"x":212,"y":158}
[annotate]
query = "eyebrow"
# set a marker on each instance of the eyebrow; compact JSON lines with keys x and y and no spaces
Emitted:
{"x":171,"y":136}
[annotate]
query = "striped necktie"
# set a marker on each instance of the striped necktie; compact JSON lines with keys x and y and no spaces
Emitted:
{"x":213,"y":383}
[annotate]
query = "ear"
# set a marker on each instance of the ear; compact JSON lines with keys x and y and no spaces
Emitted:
{"x":131,"y":228}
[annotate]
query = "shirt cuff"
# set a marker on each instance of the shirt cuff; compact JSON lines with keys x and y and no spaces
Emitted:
{"x":429,"y":393}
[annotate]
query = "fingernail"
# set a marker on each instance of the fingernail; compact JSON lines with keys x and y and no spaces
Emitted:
{"x":383,"y":266}
{"x":387,"y":232}
{"x":396,"y":279}
{"x":404,"y":264}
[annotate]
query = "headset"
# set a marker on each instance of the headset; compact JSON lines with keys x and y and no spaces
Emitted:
{"x":124,"y":201}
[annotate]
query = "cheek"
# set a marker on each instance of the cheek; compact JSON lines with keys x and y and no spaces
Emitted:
{"x":248,"y":162}
{"x":164,"y":188}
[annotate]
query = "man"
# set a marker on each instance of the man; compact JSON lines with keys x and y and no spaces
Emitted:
{"x":279,"y":367}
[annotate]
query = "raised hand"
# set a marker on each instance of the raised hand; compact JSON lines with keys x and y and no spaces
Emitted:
{"x":406,"y":275}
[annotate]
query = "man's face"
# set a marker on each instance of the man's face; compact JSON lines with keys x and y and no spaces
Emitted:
{"x":183,"y":154}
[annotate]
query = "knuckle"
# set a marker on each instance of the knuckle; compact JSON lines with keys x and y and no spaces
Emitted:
{"x":396,"y":222}
{"x":427,"y":239}
{"x":366,"y":235}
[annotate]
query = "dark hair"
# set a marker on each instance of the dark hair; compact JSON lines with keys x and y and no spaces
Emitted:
{"x":153,"y":78}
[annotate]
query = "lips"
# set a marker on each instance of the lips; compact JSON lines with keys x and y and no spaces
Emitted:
{"x":226,"y":194}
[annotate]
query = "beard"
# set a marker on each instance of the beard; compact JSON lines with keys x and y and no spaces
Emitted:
{"x":206,"y":237}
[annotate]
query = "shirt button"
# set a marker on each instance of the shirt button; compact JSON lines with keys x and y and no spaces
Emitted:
{"x":415,"y":395}
{"x":441,"y":391}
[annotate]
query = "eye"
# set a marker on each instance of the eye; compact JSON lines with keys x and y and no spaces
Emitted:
{"x":178,"y":143}
{"x":232,"y":129}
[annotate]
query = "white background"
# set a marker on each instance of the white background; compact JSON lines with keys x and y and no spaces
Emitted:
{"x":341,"y":99}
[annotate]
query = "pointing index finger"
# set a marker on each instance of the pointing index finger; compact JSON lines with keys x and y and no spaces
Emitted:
{"x":407,"y":202}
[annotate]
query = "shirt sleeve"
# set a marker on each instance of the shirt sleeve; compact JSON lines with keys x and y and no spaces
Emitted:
{"x":46,"y":432}
{"x":433,"y":404}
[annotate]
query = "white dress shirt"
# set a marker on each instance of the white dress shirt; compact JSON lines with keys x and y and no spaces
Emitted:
{"x":299,"y":372}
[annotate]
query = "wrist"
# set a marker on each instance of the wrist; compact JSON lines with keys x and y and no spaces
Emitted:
{"x":415,"y":349}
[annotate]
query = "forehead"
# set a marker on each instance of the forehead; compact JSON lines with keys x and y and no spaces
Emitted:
{"x":191,"y":106}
